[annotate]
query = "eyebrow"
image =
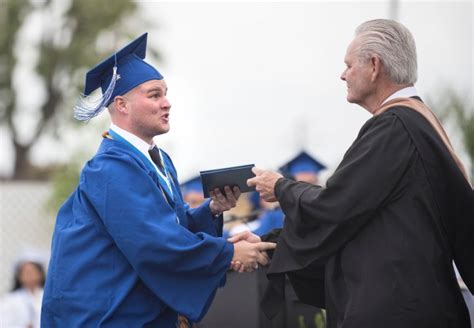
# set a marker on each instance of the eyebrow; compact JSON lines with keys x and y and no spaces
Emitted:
{"x":155,"y":89}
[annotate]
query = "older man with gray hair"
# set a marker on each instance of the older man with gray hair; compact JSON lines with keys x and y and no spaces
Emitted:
{"x":375,"y":246}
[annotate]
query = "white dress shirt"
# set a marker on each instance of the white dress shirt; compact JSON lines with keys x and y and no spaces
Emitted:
{"x":402,"y":93}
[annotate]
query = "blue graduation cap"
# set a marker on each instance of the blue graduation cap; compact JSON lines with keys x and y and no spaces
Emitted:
{"x":193,"y":184}
{"x":303,"y":162}
{"x":116,"y":75}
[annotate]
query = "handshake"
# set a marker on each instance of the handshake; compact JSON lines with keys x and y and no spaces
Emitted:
{"x":249,"y":252}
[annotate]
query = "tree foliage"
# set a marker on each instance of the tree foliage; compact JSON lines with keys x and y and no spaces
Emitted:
{"x":452,"y":106}
{"x":70,"y":42}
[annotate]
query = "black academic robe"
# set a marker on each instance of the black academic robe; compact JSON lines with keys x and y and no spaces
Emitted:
{"x":375,"y":246}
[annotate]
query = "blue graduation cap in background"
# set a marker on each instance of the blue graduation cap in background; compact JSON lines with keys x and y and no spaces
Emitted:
{"x":193,"y":184}
{"x":303,"y":162}
{"x":116,"y":75}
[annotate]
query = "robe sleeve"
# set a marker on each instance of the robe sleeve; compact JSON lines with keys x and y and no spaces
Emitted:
{"x":181,"y":268}
{"x":201,"y":219}
{"x":319,"y":221}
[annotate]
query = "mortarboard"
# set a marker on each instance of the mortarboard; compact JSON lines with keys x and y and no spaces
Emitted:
{"x":116,"y":75}
{"x":190,"y":185}
{"x":303,"y":162}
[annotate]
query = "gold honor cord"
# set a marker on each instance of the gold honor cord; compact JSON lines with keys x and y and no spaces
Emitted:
{"x":106,"y":134}
{"x":183,"y":322}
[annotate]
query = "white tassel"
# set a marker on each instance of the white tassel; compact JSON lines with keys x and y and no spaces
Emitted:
{"x":87,"y":107}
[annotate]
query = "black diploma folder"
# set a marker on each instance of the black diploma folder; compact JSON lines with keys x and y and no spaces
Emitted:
{"x":235,"y":176}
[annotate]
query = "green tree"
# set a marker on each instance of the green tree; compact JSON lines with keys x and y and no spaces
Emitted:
{"x":70,"y":42}
{"x":452,"y":106}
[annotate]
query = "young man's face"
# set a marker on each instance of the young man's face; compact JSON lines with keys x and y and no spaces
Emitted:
{"x":150,"y":109}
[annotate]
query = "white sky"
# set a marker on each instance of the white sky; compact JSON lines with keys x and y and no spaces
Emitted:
{"x":257,"y":82}
{"x":254,"y":83}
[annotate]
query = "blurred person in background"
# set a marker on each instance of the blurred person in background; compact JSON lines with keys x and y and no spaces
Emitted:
{"x":21,"y":308}
{"x":303,"y":167}
{"x":193,"y":194}
{"x":126,"y":250}
{"x":375,"y":246}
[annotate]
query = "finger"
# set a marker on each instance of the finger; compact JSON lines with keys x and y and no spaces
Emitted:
{"x":238,"y":237}
{"x":262,"y":258}
{"x":217,"y":192}
{"x":257,"y":171}
{"x":229,"y":196}
{"x":250,"y":267}
{"x":252,"y":182}
{"x":268,"y":197}
{"x":237,"y":265}
{"x":265,"y":254}
{"x":237,"y":193}
{"x":213,"y":196}
{"x":265,"y":246}
{"x":220,"y":197}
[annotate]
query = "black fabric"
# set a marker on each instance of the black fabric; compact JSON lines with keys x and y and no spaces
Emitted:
{"x":155,"y":157}
{"x":375,"y":247}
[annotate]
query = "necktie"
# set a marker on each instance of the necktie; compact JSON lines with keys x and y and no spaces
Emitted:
{"x":155,"y":157}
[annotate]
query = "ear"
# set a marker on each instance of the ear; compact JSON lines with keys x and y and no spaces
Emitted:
{"x":376,"y":66}
{"x":121,"y":105}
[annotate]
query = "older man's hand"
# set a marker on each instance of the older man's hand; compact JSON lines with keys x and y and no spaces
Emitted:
{"x":264,"y":182}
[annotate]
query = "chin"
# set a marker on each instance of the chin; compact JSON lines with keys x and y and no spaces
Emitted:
{"x":351,"y":99}
{"x":164,"y":129}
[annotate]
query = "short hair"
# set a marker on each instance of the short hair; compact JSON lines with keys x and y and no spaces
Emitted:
{"x":395,"y":46}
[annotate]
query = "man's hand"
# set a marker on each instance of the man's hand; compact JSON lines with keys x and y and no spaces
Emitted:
{"x":220,"y":203}
{"x":249,"y":255}
{"x":264,"y":182}
{"x":251,"y":238}
{"x":245,"y":235}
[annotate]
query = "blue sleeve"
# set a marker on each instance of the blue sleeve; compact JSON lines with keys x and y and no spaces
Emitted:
{"x":182,"y":268}
{"x":201,"y":219}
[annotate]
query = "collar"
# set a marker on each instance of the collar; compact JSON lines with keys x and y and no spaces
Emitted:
{"x":143,"y":147}
{"x":402,"y":93}
{"x":135,"y":141}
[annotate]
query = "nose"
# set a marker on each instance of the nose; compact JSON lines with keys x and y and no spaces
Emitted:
{"x":343,"y":75}
{"x":166,"y":104}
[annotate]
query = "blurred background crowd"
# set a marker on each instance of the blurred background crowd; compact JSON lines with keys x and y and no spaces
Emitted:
{"x":260,"y":78}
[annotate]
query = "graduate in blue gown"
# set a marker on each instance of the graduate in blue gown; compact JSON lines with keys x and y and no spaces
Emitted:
{"x":127,"y":251}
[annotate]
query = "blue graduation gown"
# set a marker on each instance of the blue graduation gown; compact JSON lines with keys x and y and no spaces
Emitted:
{"x":269,"y":220}
{"x":121,"y":258}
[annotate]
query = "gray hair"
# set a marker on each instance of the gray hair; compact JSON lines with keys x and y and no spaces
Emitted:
{"x":393,"y":43}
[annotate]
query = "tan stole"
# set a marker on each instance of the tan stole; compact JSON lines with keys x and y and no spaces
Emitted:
{"x":421,"y":108}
